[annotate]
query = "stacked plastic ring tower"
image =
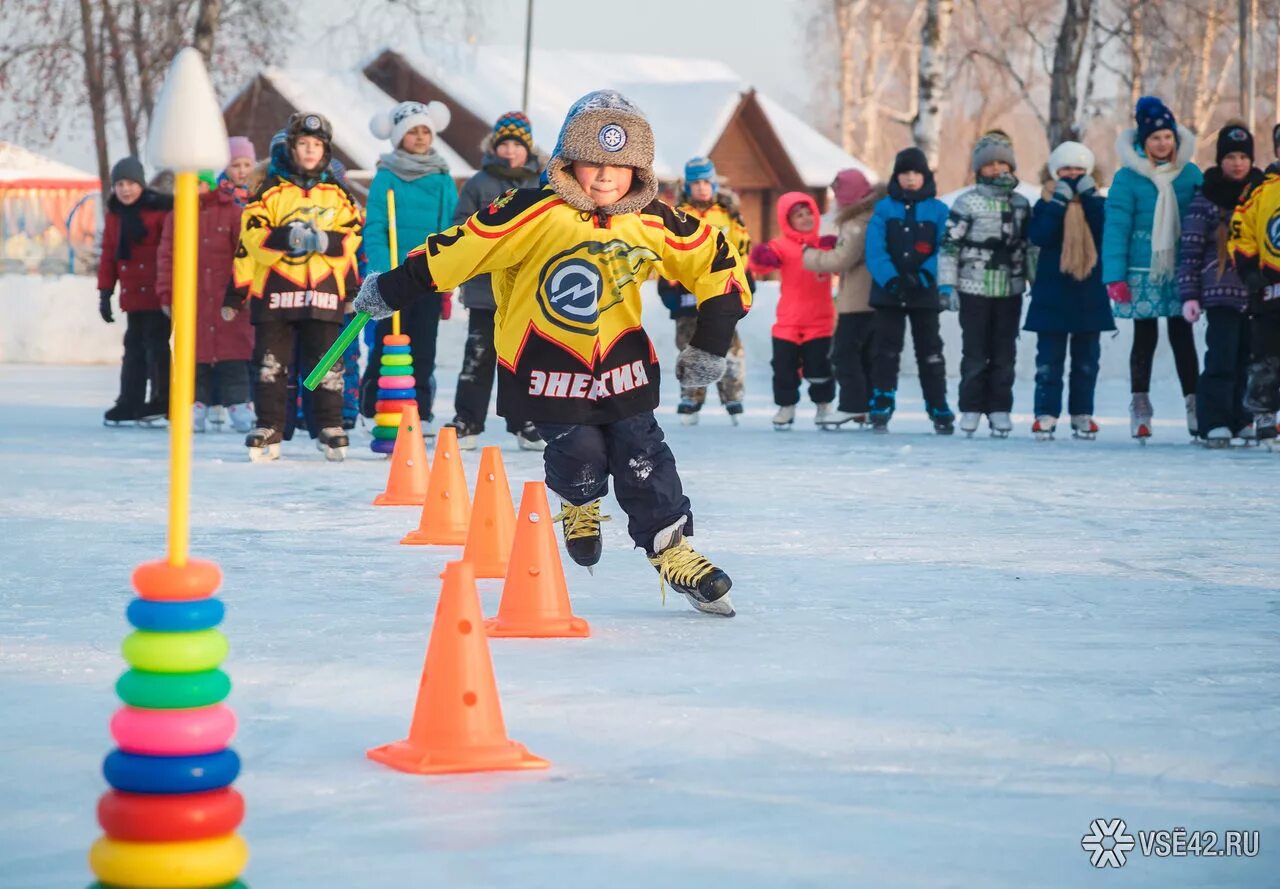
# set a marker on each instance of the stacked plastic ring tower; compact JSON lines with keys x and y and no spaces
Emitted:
{"x":171,"y":816}
{"x":395,"y":387}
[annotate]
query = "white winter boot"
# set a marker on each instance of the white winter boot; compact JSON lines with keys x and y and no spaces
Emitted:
{"x":199,"y":416}
{"x":241,"y":416}
{"x":969,"y":421}
{"x":784,"y":418}
{"x":1001,"y":424}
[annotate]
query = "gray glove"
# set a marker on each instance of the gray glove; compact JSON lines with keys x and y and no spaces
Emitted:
{"x":1064,"y":191}
{"x":369,"y":299}
{"x":1085,"y":185}
{"x":696,"y":367}
{"x":305,"y":238}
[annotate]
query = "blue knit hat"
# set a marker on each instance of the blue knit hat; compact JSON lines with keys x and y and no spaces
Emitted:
{"x":1152,"y":116}
{"x":700,"y":169}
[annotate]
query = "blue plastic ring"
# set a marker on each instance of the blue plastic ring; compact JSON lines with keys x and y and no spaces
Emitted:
{"x":382,"y":447}
{"x":397,"y":394}
{"x":176,"y":616}
{"x":135,"y":773}
{"x":397,"y":350}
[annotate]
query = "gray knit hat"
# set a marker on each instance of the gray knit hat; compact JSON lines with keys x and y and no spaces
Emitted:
{"x":128,"y":168}
{"x":993,"y":145}
{"x":604,"y":127}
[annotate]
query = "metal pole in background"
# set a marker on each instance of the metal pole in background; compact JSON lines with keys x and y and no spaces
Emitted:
{"x":1253,"y":66}
{"x":528,"y":53}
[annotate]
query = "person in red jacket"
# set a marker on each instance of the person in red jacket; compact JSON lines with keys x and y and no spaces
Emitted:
{"x":223,"y":348}
{"x":135,"y":218}
{"x":806,"y":311}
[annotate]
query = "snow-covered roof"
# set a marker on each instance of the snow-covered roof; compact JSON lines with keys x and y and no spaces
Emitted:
{"x":18,"y":166}
{"x":674,"y":92}
{"x":349,"y":100}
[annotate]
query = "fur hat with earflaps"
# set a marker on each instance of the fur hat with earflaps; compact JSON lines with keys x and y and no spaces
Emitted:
{"x":604,"y":127}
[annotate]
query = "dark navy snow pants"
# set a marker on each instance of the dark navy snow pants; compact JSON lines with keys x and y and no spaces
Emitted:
{"x":1051,"y":359}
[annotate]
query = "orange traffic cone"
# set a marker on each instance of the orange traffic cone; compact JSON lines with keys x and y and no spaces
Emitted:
{"x":447,"y":510}
{"x":457,"y":723}
{"x":493,"y":518}
{"x":535,"y":600}
{"x":407,"y":483}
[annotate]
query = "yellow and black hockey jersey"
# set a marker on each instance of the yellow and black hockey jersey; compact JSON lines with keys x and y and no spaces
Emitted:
{"x":571,"y":348}
{"x":288,"y":285}
{"x":1255,"y":240}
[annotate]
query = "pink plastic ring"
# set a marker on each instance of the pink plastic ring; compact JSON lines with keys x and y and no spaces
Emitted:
{"x":405,"y":382}
{"x":173,"y":732}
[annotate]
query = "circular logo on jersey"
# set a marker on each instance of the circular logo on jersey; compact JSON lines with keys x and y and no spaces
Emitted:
{"x":613,"y":137}
{"x":311,"y":122}
{"x":1273,"y":232}
{"x":573,"y":291}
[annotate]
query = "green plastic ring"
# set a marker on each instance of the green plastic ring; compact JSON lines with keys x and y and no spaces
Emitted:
{"x":385,"y":433}
{"x":174,"y":652}
{"x":397,"y":360}
{"x":401,"y":371}
{"x":172,"y":691}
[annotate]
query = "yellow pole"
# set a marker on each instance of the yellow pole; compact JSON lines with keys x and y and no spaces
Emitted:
{"x":182,"y":375}
{"x":395,"y":253}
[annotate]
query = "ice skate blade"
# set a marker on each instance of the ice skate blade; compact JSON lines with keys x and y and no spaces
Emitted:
{"x":525,"y":445}
{"x":334,"y":455}
{"x":721,"y":607}
{"x":782,"y":427}
{"x":153,"y":422}
{"x":689,"y":419}
{"x":735,"y":419}
{"x":264,"y":454}
{"x":1044,"y":436}
{"x":1085,"y":436}
{"x":467,"y":442}
{"x":999,"y":434}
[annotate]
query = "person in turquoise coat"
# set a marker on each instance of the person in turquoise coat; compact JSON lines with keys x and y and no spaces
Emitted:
{"x":425,"y":197}
{"x":1149,"y":196}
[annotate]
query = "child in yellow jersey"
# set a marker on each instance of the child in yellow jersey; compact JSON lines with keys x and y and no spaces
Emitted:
{"x":567,"y":261}
{"x":703,"y":197}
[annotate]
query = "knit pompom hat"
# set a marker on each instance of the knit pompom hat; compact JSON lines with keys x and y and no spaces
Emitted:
{"x":402,"y":118}
{"x":993,"y":145}
{"x":241,"y":147}
{"x":604,"y":127}
{"x":850,"y":186}
{"x":1071,"y":154}
{"x":1152,"y":116}
{"x":1234,"y":136}
{"x":513,"y":127}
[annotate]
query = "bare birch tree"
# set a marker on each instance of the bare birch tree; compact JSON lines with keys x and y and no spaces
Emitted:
{"x":926,"y":128}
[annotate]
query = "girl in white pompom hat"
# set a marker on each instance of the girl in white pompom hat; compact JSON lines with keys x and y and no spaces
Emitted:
{"x":425,"y":197}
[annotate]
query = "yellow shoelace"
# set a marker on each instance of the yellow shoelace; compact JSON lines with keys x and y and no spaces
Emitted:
{"x":681,"y":565}
{"x":580,"y":521}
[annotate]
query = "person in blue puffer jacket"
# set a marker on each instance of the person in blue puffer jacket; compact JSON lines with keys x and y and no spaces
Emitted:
{"x":903,"y":239}
{"x":1148,"y":198}
{"x":425,"y":200}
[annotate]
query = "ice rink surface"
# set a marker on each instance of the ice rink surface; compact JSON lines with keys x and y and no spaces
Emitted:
{"x":950,"y":656}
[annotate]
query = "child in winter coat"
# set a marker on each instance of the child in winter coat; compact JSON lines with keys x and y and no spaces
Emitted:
{"x":806,"y":313}
{"x":239,"y":169}
{"x":567,"y":263}
{"x":1255,"y":246}
{"x":1069,"y":307}
{"x":1208,"y":283}
{"x":703,"y":197}
{"x":984,"y":257}
{"x":134,"y":222}
{"x":510,"y":161}
{"x":903,"y":240}
{"x":425,"y":201}
{"x":1145,"y":205}
{"x":851,"y":351}
{"x":296,"y":264}
{"x":223,"y":348}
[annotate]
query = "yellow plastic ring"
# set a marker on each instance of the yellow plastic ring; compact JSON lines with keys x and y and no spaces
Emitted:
{"x":387,"y":420}
{"x":396,"y":360}
{"x":174,"y":652}
{"x":193,"y":864}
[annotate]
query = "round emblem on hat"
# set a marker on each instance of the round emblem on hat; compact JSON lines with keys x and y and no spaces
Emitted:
{"x":311,"y":122}
{"x":1238,"y":135}
{"x":613,"y":137}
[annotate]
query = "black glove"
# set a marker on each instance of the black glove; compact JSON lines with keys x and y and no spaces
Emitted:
{"x":1253,"y":279}
{"x":104,"y":306}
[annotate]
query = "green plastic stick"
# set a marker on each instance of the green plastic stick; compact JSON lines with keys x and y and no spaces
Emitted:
{"x":349,"y":333}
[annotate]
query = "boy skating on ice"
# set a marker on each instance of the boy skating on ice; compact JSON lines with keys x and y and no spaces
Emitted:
{"x":567,"y":262}
{"x":296,"y":264}
{"x":704,"y":198}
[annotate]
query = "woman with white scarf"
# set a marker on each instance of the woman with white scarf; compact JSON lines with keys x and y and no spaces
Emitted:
{"x":1151,"y":192}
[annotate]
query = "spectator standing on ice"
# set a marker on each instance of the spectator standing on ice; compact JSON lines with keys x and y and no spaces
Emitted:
{"x":1069,"y":308}
{"x":1145,"y":205}
{"x":806,"y":312}
{"x":702,"y":195}
{"x":984,"y":261}
{"x":134,"y":222}
{"x":510,"y":161}
{"x":1208,"y":283}
{"x":425,"y":200}
{"x":852,"y":347}
{"x":903,"y":240}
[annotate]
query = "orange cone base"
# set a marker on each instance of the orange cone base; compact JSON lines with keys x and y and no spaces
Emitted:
{"x":418,"y":537}
{"x":405,"y":756}
{"x":543,"y":628}
{"x":393,"y":500}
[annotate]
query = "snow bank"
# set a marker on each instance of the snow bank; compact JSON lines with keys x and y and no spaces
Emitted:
{"x":54,"y":320}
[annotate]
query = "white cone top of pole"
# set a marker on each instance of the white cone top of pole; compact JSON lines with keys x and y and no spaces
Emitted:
{"x":187,"y":132}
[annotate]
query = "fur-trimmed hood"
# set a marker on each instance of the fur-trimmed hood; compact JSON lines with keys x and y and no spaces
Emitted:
{"x":604,"y":127}
{"x":1131,"y":156}
{"x":863,"y":207}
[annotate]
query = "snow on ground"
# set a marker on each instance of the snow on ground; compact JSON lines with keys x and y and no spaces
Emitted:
{"x":950,"y":656}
